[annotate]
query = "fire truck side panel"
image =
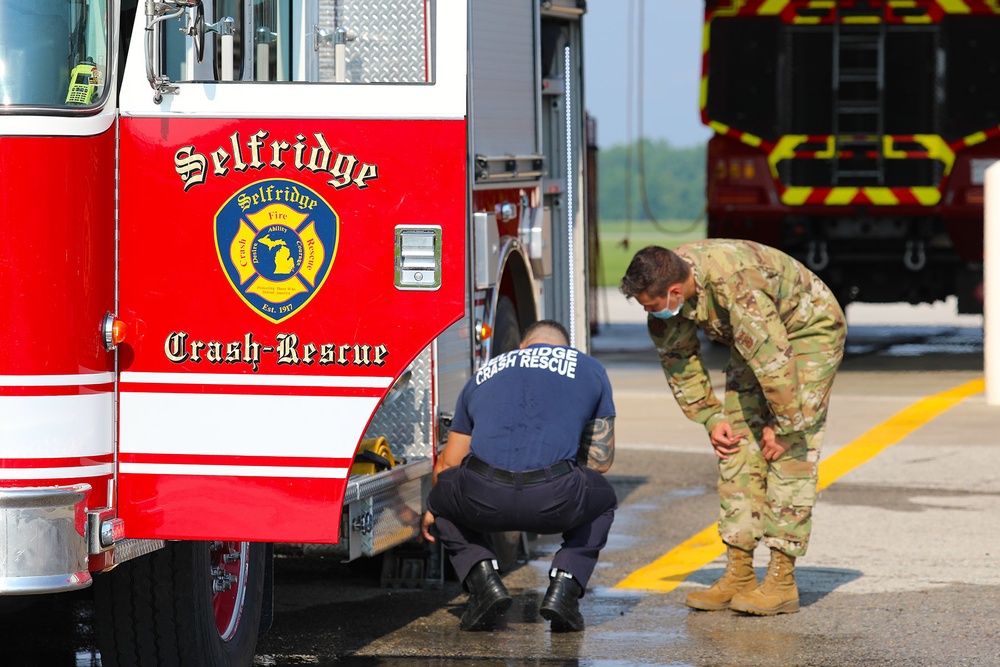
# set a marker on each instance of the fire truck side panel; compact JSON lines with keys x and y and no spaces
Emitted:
{"x":504,"y":88}
{"x":528,"y":164}
{"x":56,"y":379}
{"x":244,"y":392}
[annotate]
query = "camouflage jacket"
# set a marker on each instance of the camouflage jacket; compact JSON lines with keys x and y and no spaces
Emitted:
{"x":767,"y":307}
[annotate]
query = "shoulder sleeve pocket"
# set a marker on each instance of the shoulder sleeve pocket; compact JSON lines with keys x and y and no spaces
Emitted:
{"x":747,"y":341}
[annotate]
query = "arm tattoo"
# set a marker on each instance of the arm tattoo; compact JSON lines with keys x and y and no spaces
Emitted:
{"x":597,"y":447}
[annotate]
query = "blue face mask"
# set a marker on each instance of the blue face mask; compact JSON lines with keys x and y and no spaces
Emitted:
{"x":667,"y":313}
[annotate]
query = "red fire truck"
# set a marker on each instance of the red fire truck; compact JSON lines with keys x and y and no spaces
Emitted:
{"x":252,"y":249}
{"x":854,"y":135}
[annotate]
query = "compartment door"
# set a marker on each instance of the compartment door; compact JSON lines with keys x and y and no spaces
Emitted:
{"x":286,"y":250}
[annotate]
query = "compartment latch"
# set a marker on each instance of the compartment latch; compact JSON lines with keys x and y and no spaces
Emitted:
{"x":418,"y":257}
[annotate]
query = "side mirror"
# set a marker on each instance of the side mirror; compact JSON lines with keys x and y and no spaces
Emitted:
{"x":157,"y":12}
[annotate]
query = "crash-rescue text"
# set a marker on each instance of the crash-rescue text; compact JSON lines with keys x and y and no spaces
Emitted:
{"x":559,"y":360}
{"x":288,"y":350}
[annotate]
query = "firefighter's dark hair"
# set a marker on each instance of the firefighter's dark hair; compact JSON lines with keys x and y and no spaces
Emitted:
{"x":551,"y":327}
{"x":652,"y":271}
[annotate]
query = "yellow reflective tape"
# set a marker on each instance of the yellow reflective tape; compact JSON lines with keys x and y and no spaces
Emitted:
{"x":862,"y":19}
{"x":795,"y":196}
{"x":705,"y":39}
{"x":773,"y":6}
{"x":953,"y":6}
{"x":927,"y":196}
{"x":973,"y":139}
{"x":881,"y":196}
{"x":840,"y":196}
{"x":784,"y":148}
{"x":937,"y":149}
{"x":718,"y":127}
{"x":665,"y":573}
{"x":731,"y":10}
{"x":900,"y":4}
{"x":889,"y":148}
{"x":745,"y":137}
{"x":814,"y":4}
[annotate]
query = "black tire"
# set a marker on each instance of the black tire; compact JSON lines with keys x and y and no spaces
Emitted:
{"x":506,"y":337}
{"x":161,"y":609}
{"x":506,"y":328}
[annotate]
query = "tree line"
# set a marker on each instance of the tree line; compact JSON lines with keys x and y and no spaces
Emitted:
{"x":670,"y":180}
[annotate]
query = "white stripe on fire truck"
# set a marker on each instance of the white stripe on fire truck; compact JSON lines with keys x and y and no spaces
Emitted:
{"x":232,"y":471}
{"x":74,"y":472}
{"x":56,"y":426}
{"x":337,"y":381}
{"x":242,"y":424}
{"x":78,"y":380}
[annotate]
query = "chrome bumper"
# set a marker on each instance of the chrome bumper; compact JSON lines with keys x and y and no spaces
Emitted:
{"x":43,"y":541}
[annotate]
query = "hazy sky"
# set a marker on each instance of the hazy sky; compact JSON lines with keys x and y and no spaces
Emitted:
{"x":672,"y":70}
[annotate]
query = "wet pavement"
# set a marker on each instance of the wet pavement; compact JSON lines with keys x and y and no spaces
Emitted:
{"x":901,"y":568}
{"x":900,"y":571}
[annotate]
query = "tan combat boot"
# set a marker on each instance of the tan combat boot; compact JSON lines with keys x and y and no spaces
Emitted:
{"x":777,"y":593}
{"x":739,"y":576}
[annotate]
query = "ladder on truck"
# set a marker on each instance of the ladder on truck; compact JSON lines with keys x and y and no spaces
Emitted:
{"x":858,"y":104}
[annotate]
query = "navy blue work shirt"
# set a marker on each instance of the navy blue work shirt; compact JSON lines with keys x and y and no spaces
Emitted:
{"x":526,"y":409}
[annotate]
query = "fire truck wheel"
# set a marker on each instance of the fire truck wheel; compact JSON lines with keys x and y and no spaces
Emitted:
{"x":506,"y":329}
{"x":196,"y":603}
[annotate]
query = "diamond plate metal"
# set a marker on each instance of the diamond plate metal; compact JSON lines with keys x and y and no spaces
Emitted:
{"x":391,"y":40}
{"x":407,"y":421}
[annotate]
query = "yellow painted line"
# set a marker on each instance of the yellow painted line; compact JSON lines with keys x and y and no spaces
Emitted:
{"x":664,"y":574}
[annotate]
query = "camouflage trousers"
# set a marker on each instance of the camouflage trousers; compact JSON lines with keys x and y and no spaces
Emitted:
{"x":773,"y":500}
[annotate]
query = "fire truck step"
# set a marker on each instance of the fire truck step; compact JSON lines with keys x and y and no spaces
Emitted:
{"x":413,"y":565}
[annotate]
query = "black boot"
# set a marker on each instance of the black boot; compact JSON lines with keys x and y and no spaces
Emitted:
{"x":488,"y":598}
{"x":561,"y":604}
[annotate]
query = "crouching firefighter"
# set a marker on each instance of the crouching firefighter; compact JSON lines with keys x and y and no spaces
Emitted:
{"x":532,"y":434}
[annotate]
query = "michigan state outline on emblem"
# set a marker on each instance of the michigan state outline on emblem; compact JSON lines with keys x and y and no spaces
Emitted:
{"x":276,"y":240}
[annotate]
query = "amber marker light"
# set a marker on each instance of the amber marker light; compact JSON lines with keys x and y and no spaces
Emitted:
{"x":484,"y":331}
{"x":114,"y":331}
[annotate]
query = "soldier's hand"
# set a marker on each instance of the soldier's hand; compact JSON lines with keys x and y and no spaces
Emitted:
{"x":724,"y":441}
{"x":771,"y":446}
{"x":425,"y":526}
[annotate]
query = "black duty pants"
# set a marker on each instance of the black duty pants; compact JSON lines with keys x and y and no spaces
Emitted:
{"x":580,"y":504}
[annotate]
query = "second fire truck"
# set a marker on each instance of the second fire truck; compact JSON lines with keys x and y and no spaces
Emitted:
{"x":854,"y":135}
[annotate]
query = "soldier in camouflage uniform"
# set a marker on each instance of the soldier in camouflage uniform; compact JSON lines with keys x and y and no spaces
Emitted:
{"x":786,"y":333}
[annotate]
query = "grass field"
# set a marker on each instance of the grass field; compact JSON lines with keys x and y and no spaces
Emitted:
{"x":615,"y":257}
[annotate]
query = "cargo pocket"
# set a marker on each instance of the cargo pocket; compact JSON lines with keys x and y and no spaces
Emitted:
{"x":792,"y":480}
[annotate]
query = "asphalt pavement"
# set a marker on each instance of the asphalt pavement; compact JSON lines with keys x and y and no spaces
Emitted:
{"x":901,"y":570}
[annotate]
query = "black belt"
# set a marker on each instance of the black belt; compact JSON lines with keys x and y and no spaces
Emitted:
{"x":482,"y":468}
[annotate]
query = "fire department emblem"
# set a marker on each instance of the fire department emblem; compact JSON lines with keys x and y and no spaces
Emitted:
{"x":276,"y":241}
